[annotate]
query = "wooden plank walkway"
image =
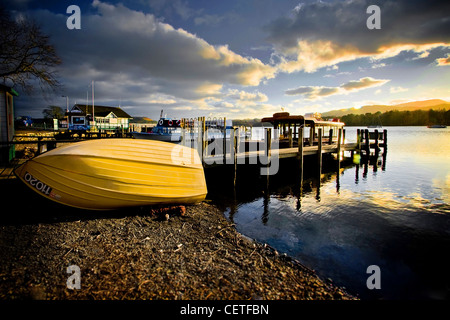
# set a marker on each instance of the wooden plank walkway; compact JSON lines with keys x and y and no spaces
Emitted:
{"x":251,"y":157}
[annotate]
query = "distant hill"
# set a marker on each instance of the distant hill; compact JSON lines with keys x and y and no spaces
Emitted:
{"x":435,"y":104}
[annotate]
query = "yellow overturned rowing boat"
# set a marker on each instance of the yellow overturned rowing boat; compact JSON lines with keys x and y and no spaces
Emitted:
{"x":116,"y":173}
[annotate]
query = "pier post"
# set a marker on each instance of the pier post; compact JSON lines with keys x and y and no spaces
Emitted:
{"x":340,"y":133}
{"x":183,"y":134}
{"x":319,"y":152}
{"x":330,"y":137}
{"x":224,"y":140}
{"x":367,"y":142}
{"x":235,"y":132}
{"x":290,"y":138}
{"x":300,"y":155}
{"x":377,"y":147}
{"x":268,"y":141}
{"x":268,"y":138}
{"x":358,"y":139}
{"x":201,"y":137}
{"x":384,"y":140}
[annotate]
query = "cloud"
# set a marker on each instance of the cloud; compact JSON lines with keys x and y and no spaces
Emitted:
{"x":322,"y":34}
{"x":131,"y":54}
{"x":397,"y":89}
{"x":363,"y":83}
{"x":208,"y":19}
{"x":316,"y":92}
{"x":209,"y":89}
{"x":312,"y":92}
{"x":161,"y":99}
{"x":443,"y":61}
{"x":244,"y":96}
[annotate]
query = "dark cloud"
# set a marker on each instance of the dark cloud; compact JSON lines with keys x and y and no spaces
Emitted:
{"x":132,"y":56}
{"x":344,"y":22}
{"x":321,"y":33}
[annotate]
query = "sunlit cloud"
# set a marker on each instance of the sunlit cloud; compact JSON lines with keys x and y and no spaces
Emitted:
{"x":444,"y":61}
{"x":316,"y":92}
{"x":309,"y":56}
{"x":323,"y":34}
{"x":397,"y":89}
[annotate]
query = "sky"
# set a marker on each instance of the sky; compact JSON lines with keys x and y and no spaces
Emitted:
{"x":242,"y":58}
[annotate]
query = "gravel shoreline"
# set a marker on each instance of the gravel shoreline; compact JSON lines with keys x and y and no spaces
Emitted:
{"x":150,"y":254}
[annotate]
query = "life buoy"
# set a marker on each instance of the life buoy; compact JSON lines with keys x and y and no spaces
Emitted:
{"x":160,"y":122}
{"x":170,"y":123}
{"x":178,"y":123}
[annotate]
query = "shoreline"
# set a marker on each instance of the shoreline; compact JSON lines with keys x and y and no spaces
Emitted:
{"x":139,"y":254}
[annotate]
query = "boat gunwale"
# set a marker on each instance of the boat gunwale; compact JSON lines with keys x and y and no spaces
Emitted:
{"x":181,"y":165}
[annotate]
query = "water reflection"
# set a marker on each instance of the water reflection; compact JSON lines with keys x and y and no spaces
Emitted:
{"x":374,"y":161}
{"x":396,"y":216}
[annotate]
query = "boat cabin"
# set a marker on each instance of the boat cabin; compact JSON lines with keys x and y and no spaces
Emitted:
{"x":166,"y":126}
{"x":288,"y":126}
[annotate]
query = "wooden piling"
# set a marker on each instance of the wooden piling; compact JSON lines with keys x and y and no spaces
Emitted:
{"x":201,"y":137}
{"x":290,"y":138}
{"x":367,"y":142}
{"x":358,"y":139}
{"x":234,"y":134}
{"x":319,"y":152}
{"x":268,"y":138}
{"x":300,"y":156}
{"x":377,"y":147}
{"x":183,"y":132}
{"x":340,"y":133}
{"x":224,"y":140}
{"x":268,"y":141}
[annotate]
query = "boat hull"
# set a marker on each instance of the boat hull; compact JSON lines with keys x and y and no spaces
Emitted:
{"x":116,"y":173}
{"x":160,"y":137}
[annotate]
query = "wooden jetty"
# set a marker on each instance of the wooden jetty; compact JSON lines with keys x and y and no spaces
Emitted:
{"x":288,"y":137}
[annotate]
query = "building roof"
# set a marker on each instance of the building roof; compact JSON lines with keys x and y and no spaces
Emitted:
{"x":101,"y":111}
{"x":8,"y":89}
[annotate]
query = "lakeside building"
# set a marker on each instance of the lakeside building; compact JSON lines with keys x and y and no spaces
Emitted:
{"x":7,"y":152}
{"x":81,"y":118}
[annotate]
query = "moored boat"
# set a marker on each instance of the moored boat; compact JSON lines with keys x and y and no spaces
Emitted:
{"x":116,"y":173}
{"x":167,"y":130}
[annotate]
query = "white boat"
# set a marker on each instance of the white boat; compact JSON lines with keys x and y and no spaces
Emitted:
{"x":167,"y":130}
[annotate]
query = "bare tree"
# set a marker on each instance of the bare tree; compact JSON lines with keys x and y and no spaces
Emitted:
{"x":26,"y":54}
{"x":53,"y":112}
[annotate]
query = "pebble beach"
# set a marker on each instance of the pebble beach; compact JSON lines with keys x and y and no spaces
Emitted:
{"x":181,"y":253}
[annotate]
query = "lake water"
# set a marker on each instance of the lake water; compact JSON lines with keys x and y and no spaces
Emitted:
{"x":394,"y":215}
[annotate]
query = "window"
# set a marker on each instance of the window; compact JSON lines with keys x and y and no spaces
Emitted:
{"x":78,"y":120}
